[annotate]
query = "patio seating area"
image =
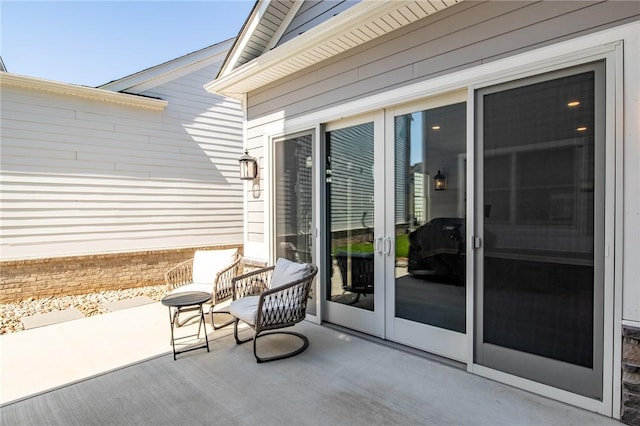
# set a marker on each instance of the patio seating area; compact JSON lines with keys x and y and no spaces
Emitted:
{"x":117,"y":368}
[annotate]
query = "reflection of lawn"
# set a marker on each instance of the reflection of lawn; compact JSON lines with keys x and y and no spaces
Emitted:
{"x":356,"y":248}
{"x":402,"y":247}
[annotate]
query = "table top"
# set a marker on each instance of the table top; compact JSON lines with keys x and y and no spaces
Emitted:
{"x":186,"y":298}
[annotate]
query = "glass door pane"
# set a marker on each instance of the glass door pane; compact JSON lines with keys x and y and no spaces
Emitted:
{"x":542,"y":216}
{"x":294,"y":201}
{"x":430,"y":210}
{"x":350,"y":215}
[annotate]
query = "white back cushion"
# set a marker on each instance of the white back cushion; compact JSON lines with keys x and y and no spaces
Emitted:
{"x":207,"y":263}
{"x":286,"y":272}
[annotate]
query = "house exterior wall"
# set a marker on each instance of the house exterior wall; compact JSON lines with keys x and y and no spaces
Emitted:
{"x":114,"y":193}
{"x":435,"y":46}
{"x":431,"y":48}
{"x":81,"y":176}
{"x":464,"y":37}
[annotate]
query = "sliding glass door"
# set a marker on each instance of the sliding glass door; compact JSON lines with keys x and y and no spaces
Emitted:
{"x":398,"y":241}
{"x":540,"y":215}
{"x":426,"y":278}
{"x":354,"y":235}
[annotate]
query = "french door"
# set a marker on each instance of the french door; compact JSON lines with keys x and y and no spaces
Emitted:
{"x":541,"y":218}
{"x":395,"y":219}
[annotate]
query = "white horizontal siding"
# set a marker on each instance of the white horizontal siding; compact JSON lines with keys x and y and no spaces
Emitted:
{"x":81,"y":177}
{"x":467,"y":34}
{"x":314,"y":13}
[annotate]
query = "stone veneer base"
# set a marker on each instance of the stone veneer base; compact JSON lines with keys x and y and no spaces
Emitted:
{"x":630,"y":376}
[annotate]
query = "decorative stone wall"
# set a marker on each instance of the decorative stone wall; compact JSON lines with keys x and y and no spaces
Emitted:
{"x":630,"y":376}
{"x":40,"y":278}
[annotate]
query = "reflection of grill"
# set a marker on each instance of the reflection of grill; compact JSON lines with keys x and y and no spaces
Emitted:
{"x":361,"y":271}
{"x":437,"y":249}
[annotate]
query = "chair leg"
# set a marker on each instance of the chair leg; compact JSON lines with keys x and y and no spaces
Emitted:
{"x":218,"y":327}
{"x":302,"y":337}
{"x":235,"y":333}
{"x":176,"y":317}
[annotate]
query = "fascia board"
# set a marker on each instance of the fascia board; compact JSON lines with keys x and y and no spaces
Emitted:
{"x":91,"y":93}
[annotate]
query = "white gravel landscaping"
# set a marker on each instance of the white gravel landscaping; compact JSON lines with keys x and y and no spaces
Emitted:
{"x":11,"y":314}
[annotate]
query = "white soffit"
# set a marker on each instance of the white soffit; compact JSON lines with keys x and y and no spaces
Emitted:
{"x":357,"y":25}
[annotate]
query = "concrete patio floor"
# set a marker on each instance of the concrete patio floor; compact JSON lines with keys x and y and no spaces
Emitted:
{"x":119,"y":366}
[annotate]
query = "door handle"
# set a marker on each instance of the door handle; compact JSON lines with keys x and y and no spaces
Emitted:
{"x":387,"y":246}
{"x":378,"y":245}
{"x":476,"y":242}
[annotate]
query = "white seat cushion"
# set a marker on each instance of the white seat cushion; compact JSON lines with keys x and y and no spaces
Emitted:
{"x":207,"y":263}
{"x":245,"y":309}
{"x":207,"y":288}
{"x":287,"y":272}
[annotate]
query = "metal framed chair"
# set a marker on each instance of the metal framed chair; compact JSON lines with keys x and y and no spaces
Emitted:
{"x":210,"y":271}
{"x":270,"y":299}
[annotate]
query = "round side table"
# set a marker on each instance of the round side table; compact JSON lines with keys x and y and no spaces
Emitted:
{"x":187,"y":299}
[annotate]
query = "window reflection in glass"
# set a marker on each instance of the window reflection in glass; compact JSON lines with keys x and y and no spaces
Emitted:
{"x":293,"y":201}
{"x":539,"y":166}
{"x":350,"y":197}
{"x":430,"y":223}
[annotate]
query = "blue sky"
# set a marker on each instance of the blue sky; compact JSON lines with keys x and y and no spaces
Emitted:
{"x":94,"y":42}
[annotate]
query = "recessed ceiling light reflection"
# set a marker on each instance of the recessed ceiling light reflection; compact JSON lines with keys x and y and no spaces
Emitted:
{"x":573,"y":104}
{"x":435,"y":127}
{"x":581,"y":129}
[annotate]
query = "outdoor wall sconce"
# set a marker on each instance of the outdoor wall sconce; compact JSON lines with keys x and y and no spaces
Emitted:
{"x":248,"y":167}
{"x":440,"y":181}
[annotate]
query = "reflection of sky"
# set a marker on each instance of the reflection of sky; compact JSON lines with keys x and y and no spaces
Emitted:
{"x":416,"y":136}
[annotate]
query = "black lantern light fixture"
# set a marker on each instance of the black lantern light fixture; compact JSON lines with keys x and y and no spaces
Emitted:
{"x":440,"y":181}
{"x":248,"y":167}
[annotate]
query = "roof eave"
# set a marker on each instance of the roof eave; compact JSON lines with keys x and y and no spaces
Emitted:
{"x":91,"y":93}
{"x":333,"y":37}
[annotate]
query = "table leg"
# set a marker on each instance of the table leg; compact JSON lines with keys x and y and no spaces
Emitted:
{"x":201,"y":325}
{"x":204,"y":325}
{"x":173,"y":341}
